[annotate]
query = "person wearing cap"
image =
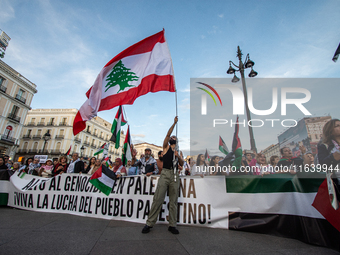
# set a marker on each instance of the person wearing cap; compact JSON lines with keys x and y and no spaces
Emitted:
{"x":147,"y":164}
{"x":46,"y":170}
{"x":169,"y":180}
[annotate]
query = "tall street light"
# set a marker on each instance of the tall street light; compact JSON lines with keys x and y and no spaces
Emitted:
{"x":240,"y":68}
{"x":82,"y":150}
{"x":46,"y":137}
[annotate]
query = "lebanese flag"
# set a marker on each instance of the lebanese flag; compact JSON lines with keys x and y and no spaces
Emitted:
{"x":142,"y":68}
{"x":127,"y":148}
{"x":118,"y":122}
{"x":103,"y":179}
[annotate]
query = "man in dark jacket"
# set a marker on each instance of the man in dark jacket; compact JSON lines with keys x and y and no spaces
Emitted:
{"x":76,"y":165}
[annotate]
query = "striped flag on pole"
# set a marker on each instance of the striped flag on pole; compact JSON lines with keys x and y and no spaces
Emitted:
{"x":222,"y":146}
{"x":100,"y":150}
{"x":127,"y":148}
{"x":118,"y":122}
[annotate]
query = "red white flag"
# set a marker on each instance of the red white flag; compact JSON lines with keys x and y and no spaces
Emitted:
{"x":142,"y":68}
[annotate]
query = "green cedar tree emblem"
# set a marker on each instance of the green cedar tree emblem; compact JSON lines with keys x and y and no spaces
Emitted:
{"x":120,"y":75}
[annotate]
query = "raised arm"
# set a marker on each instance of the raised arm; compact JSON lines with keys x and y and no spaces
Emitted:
{"x":167,"y":138}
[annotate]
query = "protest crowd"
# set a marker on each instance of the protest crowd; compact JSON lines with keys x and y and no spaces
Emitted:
{"x":249,"y":163}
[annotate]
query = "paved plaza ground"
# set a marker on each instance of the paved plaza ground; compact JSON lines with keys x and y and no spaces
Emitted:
{"x":27,"y":232}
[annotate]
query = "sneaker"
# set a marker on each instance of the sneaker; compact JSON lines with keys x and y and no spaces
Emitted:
{"x":146,"y":229}
{"x":173,"y":230}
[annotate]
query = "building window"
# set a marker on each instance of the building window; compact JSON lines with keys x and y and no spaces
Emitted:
{"x":2,"y":84}
{"x":39,"y":132}
{"x":25,"y":146}
{"x":35,"y":146}
{"x":29,"y":132}
{"x":15,"y":110}
{"x":61,"y":132}
{"x":58,"y":146}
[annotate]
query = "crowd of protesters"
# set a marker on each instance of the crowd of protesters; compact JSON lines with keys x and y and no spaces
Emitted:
{"x":252,"y":163}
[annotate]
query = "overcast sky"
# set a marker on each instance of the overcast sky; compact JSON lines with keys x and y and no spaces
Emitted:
{"x":61,"y":46}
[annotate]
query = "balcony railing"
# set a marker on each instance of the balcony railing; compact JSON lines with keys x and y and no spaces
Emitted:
{"x":13,"y":117}
{"x":41,"y":124}
{"x":23,"y":151}
{"x":20,"y":98}
{"x":86,"y":143}
{"x":50,"y":124}
{"x":33,"y":151}
{"x":59,"y":137}
{"x":26,"y":136}
{"x":31,"y":123}
{"x":63,"y":123}
{"x":55,"y":152}
{"x":3,"y":88}
{"x":7,"y":138}
{"x":93,"y":146}
{"x":37,"y":137}
{"x":77,"y":140}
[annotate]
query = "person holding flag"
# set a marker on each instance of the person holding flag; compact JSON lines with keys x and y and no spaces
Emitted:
{"x":169,"y":180}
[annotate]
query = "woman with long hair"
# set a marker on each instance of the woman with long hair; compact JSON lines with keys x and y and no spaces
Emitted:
{"x":213,"y":165}
{"x":89,"y":169}
{"x":61,"y":166}
{"x":26,"y":165}
{"x":200,"y":168}
{"x":329,"y":150}
{"x":3,"y":166}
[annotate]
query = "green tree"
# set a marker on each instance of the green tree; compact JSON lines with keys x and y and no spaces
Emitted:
{"x":120,"y":75}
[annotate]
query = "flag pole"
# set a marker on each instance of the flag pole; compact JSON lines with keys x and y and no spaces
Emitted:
{"x":177,"y":146}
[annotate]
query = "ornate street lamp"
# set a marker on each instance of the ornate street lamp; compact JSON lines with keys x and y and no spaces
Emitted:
{"x":240,"y":68}
{"x":82,"y":149}
{"x":46,"y":137}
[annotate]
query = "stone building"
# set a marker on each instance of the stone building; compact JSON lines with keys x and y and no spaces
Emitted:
{"x":140,"y":147}
{"x":16,"y":94}
{"x":50,"y":132}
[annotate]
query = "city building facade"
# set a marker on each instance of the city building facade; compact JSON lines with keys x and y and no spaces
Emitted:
{"x":50,"y":132}
{"x":16,"y":94}
{"x":272,"y":150}
{"x":140,"y":147}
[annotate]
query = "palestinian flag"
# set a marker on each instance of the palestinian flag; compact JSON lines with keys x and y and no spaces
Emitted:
{"x":103,"y":179}
{"x":69,"y":150}
{"x":222,"y":146}
{"x":118,"y":122}
{"x":336,"y":54}
{"x":283,"y":205}
{"x":127,"y":148}
{"x":100,"y":150}
{"x":236,"y":147}
{"x":142,"y":68}
{"x":206,"y":155}
{"x":108,"y":161}
{"x":327,"y":204}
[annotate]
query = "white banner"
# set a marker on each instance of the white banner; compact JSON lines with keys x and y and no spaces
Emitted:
{"x":202,"y":201}
{"x":130,"y":200}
